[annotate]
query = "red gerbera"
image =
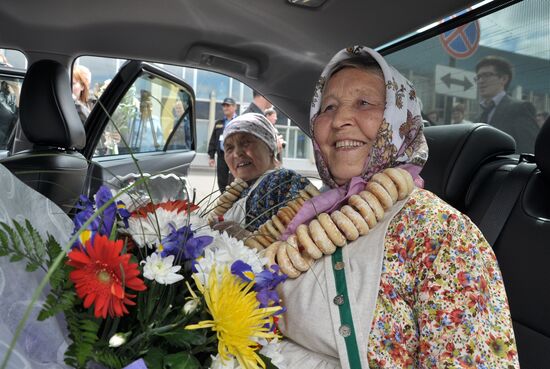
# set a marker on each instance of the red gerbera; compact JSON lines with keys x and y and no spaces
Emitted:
{"x":178,"y":205}
{"x":101,"y":275}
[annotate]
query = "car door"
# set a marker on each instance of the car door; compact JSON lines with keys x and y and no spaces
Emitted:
{"x":144,"y":122}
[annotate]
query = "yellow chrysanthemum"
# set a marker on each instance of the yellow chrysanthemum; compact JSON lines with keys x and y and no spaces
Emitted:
{"x":236,"y":317}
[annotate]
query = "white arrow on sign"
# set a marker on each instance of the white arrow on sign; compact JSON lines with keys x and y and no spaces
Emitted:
{"x":455,"y":82}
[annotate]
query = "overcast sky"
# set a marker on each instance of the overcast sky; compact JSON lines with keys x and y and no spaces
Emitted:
{"x":521,"y":28}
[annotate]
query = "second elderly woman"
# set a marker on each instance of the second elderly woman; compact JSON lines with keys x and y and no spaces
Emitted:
{"x":416,"y":287}
{"x":260,"y":188}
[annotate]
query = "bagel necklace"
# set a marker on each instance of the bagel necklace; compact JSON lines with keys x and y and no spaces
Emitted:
{"x":328,"y":231}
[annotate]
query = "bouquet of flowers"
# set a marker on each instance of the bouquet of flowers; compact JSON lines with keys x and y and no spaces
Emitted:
{"x":147,"y":283}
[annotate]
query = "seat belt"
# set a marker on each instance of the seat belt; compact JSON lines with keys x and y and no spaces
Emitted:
{"x":501,"y":207}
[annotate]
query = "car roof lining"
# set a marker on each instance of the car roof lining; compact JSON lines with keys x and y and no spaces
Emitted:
{"x":272,"y":46}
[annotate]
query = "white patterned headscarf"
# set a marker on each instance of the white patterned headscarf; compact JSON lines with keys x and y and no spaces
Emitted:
{"x":254,"y":124}
{"x":400,"y":140}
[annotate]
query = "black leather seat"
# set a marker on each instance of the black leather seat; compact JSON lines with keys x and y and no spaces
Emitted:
{"x":522,"y":248}
{"x":50,"y":122}
{"x":457,"y":152}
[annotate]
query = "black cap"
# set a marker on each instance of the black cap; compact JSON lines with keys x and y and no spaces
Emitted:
{"x":229,"y":101}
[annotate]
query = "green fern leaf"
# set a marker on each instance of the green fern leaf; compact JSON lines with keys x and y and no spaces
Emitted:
{"x":38,"y":242}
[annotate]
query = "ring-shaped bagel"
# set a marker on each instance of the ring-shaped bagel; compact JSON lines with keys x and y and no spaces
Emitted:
{"x":374,"y":204}
{"x":296,"y":258}
{"x":366,"y":212}
{"x":399,"y":181}
{"x":272,"y":230}
{"x":345,"y":225}
{"x":408,"y":178}
{"x":277,"y":223}
{"x":385,"y":181}
{"x":381,"y":194}
{"x":331,"y":229}
{"x":356,"y":218}
{"x":304,"y":240}
{"x":284,"y":261}
{"x":319,"y":236}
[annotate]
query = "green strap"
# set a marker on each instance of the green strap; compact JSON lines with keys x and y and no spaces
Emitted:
{"x":347,"y":329}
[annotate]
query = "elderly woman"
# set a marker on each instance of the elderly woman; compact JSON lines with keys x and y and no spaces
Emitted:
{"x":421,"y":288}
{"x":250,"y":146}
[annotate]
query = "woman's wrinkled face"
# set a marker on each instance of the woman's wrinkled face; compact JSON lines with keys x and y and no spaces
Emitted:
{"x":352,"y":109}
{"x":247,"y":156}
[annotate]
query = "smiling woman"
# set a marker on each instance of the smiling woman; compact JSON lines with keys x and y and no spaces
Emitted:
{"x":250,"y":146}
{"x":413,"y":283}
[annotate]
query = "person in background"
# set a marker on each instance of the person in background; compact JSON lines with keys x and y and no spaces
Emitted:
{"x":82,"y":78}
{"x":457,"y":114}
{"x":182,"y":137}
{"x":541,"y":118}
{"x":258,"y":105}
{"x":250,"y":145}
{"x":419,"y":289}
{"x":215,"y":145}
{"x":517,"y":118}
{"x":433,"y":118}
{"x":271,"y":115}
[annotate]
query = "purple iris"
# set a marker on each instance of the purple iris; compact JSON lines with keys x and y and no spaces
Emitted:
{"x":182,"y":242}
{"x":242,"y":270}
{"x":266,"y":286}
{"x":102,"y":224}
{"x":102,"y":196}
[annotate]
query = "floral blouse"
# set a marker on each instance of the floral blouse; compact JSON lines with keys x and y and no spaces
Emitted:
{"x":441,"y":302}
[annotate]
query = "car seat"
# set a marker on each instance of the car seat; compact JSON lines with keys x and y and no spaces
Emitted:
{"x":520,"y":236}
{"x":49,"y":120}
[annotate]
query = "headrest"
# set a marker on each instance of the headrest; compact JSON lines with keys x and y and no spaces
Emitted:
{"x":542,"y":149}
{"x":47,"y":111}
{"x":456,"y":152}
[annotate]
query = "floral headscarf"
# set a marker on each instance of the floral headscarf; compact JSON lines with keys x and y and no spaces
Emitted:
{"x":400,"y":141}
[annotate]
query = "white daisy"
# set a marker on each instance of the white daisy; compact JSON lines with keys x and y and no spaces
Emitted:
{"x":161,"y":269}
{"x":151,"y":229}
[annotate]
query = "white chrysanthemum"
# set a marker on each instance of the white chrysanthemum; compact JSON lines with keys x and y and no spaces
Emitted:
{"x":218,"y":363}
{"x":152,"y":229}
{"x":200,"y":226}
{"x":224,"y":251}
{"x":161,"y":269}
{"x":272,"y":350}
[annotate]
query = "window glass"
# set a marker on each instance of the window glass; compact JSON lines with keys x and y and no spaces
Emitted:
{"x":211,"y":82}
{"x":145,"y":118}
{"x":12,"y":58}
{"x":236,"y":90}
{"x":102,"y":70}
{"x":455,"y":73}
{"x":10,"y":89}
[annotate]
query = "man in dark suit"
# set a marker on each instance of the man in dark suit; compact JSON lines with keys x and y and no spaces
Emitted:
{"x":258,"y":105}
{"x":517,"y":118}
{"x":215,"y":146}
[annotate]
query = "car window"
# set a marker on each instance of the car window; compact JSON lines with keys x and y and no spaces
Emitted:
{"x":453,"y":90}
{"x":152,"y":115}
{"x":12,"y":63}
{"x":210,"y":88}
